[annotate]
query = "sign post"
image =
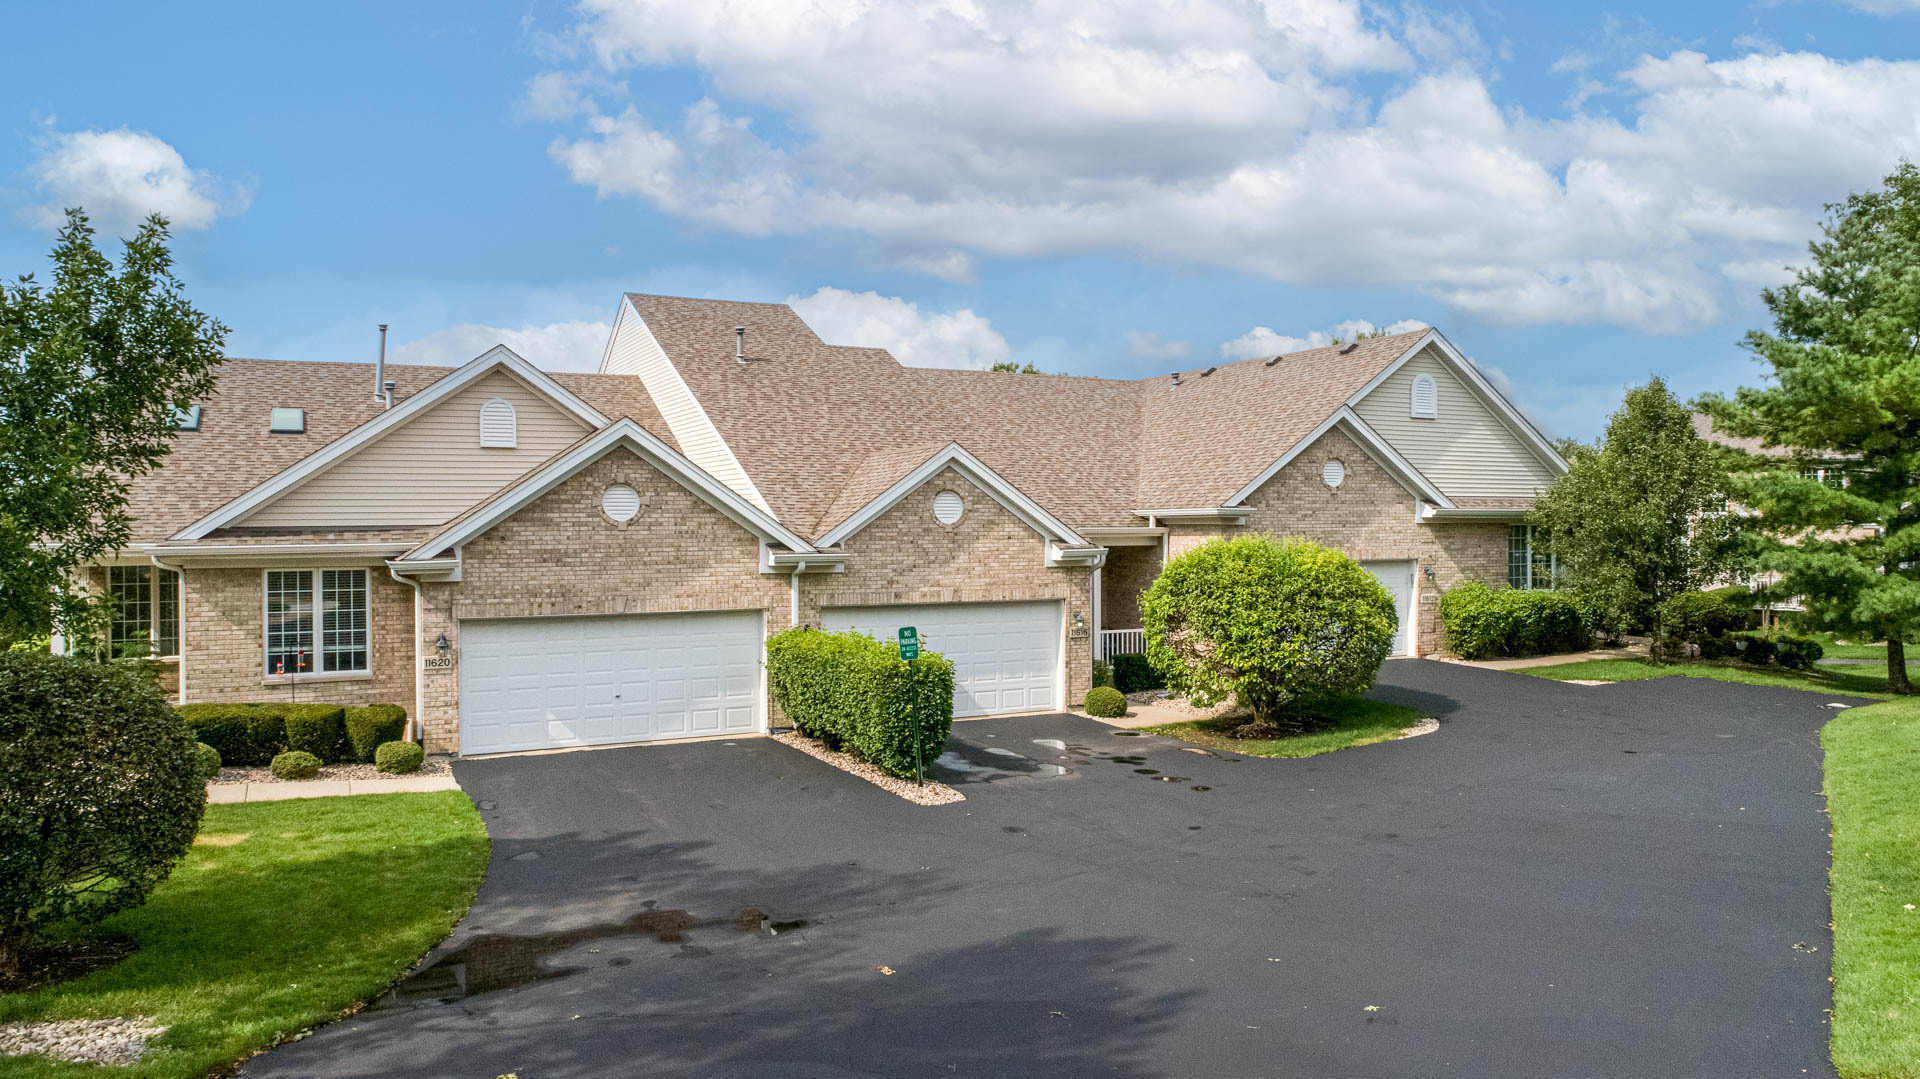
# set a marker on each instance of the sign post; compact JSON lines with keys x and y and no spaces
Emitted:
{"x":909,"y":643}
{"x":910,"y":650}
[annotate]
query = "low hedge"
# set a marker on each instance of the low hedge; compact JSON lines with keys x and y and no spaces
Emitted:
{"x":254,"y":733}
{"x":1693,"y":617}
{"x":373,"y":726}
{"x":398,"y":758}
{"x":1760,"y":650}
{"x":851,"y":691}
{"x":1132,"y":673}
{"x":1482,"y":622}
{"x":1105,"y":702}
{"x":295,"y":764}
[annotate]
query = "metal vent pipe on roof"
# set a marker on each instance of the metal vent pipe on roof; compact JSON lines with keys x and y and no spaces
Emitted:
{"x":382,"y":389}
{"x":740,"y":344}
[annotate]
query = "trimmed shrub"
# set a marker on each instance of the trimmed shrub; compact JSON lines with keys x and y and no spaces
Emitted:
{"x":1692,"y":617}
{"x":1132,"y":673}
{"x":1268,"y":621}
{"x":371,"y":727}
{"x":209,"y":760}
{"x":295,"y":764}
{"x":1105,"y":702}
{"x":242,"y":733}
{"x":313,"y":728}
{"x":1482,"y":622}
{"x":1797,"y":653}
{"x":398,"y":758}
{"x":101,"y":792}
{"x":1754,"y":648}
{"x":1794,"y":653}
{"x":1102,"y":673}
{"x":849,"y":690}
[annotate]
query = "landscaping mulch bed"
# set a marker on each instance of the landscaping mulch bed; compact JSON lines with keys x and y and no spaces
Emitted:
{"x":46,"y":964}
{"x":438,"y":765}
{"x":113,"y":1042}
{"x":929,"y":793}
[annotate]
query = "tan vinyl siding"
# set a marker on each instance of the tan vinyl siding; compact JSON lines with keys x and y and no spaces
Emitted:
{"x":431,"y":469}
{"x":1468,"y":451}
{"x":633,"y":350}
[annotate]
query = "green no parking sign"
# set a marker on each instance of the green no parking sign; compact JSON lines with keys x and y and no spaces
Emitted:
{"x":909,"y":643}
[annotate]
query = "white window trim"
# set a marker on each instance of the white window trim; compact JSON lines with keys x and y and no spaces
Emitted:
{"x":1553,"y":562}
{"x":153,"y":610}
{"x":318,"y":652}
{"x":511,"y":440}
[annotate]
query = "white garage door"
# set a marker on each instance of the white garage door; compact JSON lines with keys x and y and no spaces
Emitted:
{"x":539,"y":683}
{"x":1006,"y":656}
{"x":1397,"y":579}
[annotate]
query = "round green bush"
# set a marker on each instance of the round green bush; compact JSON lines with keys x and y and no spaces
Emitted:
{"x":209,"y":760}
{"x":1482,"y":622}
{"x":101,"y":792}
{"x":399,"y":758}
{"x":1268,"y":621}
{"x":1106,"y":702}
{"x":295,"y":764}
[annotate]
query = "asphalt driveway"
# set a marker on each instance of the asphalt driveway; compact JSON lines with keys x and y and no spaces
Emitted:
{"x":1563,"y":881}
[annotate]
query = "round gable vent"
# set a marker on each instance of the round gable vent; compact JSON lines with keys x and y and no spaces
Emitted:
{"x":1333,"y":473}
{"x":620,"y":503}
{"x":947,"y":507}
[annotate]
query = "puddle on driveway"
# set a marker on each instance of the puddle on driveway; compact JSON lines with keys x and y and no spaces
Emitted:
{"x":503,"y":961}
{"x":964,"y":762}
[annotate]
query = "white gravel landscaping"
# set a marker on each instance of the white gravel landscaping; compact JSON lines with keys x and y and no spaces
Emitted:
{"x":113,"y":1042}
{"x":929,"y":793}
{"x":438,"y":765}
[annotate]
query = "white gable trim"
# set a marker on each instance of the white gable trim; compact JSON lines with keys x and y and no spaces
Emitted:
{"x":679,"y":407}
{"x":1477,"y":382}
{"x":1370,"y":441}
{"x":983,"y":477}
{"x":496,"y":358}
{"x":630,"y":435}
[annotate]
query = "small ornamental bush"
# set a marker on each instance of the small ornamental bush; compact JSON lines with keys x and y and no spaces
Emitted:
{"x":371,"y":727}
{"x":1691,"y":617}
{"x":1106,"y":702}
{"x":1482,"y":622}
{"x":1269,"y":621}
{"x":242,"y":733}
{"x":399,"y":758}
{"x":1132,"y":673}
{"x":313,"y":728}
{"x":851,"y":691}
{"x":1797,"y":653}
{"x":209,"y":760}
{"x":101,"y":791}
{"x":295,"y":764}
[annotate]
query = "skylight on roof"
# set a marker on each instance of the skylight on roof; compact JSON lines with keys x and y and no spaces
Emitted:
{"x":287,"y":421}
{"x":186,"y":417}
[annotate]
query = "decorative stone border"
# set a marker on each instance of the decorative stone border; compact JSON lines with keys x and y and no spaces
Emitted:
{"x":113,"y":1042}
{"x":926,"y":794}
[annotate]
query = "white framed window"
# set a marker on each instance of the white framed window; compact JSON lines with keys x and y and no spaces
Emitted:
{"x":145,"y":604}
{"x":1425,"y":404}
{"x":499,"y":427}
{"x":298,"y":642}
{"x":1528,"y":566}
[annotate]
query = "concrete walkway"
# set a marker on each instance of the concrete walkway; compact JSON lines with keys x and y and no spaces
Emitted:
{"x":1631,"y":651}
{"x":224,"y":793}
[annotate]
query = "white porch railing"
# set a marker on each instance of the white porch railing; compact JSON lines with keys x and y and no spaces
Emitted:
{"x":1120,"y":642}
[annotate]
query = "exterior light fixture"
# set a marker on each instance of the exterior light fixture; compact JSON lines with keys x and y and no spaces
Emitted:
{"x":1079,"y":620}
{"x":441,"y":642}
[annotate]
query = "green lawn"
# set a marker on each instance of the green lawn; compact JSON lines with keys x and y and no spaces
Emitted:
{"x":1354,"y":722}
{"x":1853,"y":681}
{"x":1873,"y":797}
{"x":316,"y":906}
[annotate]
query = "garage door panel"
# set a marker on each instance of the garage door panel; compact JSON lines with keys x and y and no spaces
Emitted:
{"x":550,"y":682}
{"x":1006,"y":656}
{"x":1398,"y":579}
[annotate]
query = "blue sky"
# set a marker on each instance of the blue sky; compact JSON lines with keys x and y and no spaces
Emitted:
{"x":1578,"y":198}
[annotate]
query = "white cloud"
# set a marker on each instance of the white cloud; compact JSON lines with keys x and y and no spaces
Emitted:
{"x":120,"y":177}
{"x":1149,"y":346}
{"x":1885,"y":7}
{"x":1241,"y":136}
{"x":1262,"y":341}
{"x":558,"y":346}
{"x":870,"y":320}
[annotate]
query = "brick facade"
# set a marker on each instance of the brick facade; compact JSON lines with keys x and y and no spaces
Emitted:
{"x":223,"y":642}
{"x":1129,"y":572}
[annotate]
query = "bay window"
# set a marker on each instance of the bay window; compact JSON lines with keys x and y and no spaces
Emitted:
{"x":316,"y":622}
{"x":145,"y":606}
{"x":1528,"y":566}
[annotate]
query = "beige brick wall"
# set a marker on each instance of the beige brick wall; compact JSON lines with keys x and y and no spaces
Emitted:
{"x":1368,"y":517}
{"x":223,"y":642}
{"x":562,"y":556}
{"x":905,"y":556}
{"x":1129,"y":572}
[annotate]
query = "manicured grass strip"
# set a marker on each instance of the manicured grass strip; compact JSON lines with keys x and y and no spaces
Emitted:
{"x":1852,"y":681}
{"x":1355,"y":722}
{"x":1873,"y":797}
{"x":321,"y":904}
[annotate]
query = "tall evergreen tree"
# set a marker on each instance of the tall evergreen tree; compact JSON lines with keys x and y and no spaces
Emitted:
{"x":1641,"y":517}
{"x":1842,"y":394}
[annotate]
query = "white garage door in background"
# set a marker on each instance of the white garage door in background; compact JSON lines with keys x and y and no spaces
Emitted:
{"x":541,"y":683}
{"x":1397,"y":579}
{"x":1006,"y":656}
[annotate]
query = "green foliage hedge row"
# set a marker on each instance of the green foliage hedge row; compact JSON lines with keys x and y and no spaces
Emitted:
{"x":1794,"y":653}
{"x":1482,"y":622}
{"x":1132,"y":673}
{"x":253,"y":734}
{"x":851,"y":691}
{"x":1694,"y":617}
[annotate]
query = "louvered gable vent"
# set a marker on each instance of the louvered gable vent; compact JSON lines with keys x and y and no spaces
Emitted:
{"x":1426,"y":397}
{"x":498,"y":426}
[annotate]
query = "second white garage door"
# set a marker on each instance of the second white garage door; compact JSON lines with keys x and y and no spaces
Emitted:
{"x":1006,"y":656}
{"x":541,"y":683}
{"x":1397,"y":579}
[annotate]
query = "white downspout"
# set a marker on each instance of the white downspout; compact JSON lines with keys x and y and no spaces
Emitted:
{"x":794,"y":618}
{"x":418,"y":726}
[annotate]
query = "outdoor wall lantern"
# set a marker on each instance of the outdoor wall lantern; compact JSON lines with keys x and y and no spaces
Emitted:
{"x":1079,"y":620}
{"x":441,"y":642}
